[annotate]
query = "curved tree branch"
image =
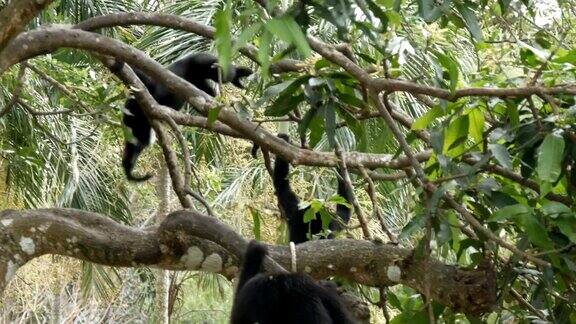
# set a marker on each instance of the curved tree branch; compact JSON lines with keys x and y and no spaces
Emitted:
{"x":15,"y":16}
{"x":180,"y":23}
{"x":43,"y":41}
{"x":190,"y":240}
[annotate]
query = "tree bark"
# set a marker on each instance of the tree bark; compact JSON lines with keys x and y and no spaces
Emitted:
{"x":163,"y":191}
{"x":193,"y":241}
{"x":15,"y":16}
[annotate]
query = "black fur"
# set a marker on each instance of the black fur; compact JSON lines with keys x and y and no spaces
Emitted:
{"x":196,"y":69}
{"x":288,"y":202}
{"x":287,"y":298}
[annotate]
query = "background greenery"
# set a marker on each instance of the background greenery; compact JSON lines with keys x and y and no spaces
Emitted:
{"x":72,"y":160}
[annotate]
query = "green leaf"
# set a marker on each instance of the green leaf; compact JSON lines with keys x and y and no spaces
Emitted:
{"x":256,"y":220}
{"x":379,"y":13}
{"x":246,"y":35}
{"x":471,"y":21}
{"x":356,"y":127}
{"x":330,"y":123}
{"x":339,"y":200}
{"x":272,"y":92}
{"x":451,"y":66}
{"x":457,"y":130}
{"x":567,"y":227}
{"x":309,"y":215}
{"x":430,"y":11}
{"x":535,"y":230}
{"x":213,"y":115}
{"x":415,"y":224}
{"x":287,"y":100}
{"x":326,"y":218}
{"x":223,"y":37}
{"x":550,"y":154}
{"x":284,"y":106}
{"x":476,"y":129}
{"x":555,"y":209}
{"x":510,"y":212}
{"x":350,"y":99}
{"x":501,"y":154}
{"x":264,"y":53}
{"x":569,"y":57}
{"x":425,"y":120}
{"x":288,"y":30}
{"x":306,"y":120}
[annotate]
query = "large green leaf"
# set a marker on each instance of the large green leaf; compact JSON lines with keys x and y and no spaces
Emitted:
{"x":288,"y":30}
{"x":426,"y":119}
{"x":451,"y":65}
{"x":471,"y":21}
{"x":223,"y":37}
{"x":550,"y":155}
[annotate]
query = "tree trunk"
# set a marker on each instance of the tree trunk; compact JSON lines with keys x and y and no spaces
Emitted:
{"x":163,"y":190}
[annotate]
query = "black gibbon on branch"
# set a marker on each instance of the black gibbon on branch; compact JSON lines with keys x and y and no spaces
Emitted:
{"x":195,"y":68}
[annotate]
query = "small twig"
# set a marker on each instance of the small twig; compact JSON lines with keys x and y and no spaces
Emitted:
{"x":350,"y":189}
{"x":172,"y":163}
{"x":48,"y":133}
{"x":17,"y":90}
{"x":371,"y":189}
{"x":382,"y":104}
{"x":535,"y":113}
{"x":188,"y":169}
{"x":526,"y":304}
{"x":67,"y":92}
{"x":493,"y":237}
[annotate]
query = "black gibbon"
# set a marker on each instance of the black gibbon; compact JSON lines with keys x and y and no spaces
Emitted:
{"x":195,"y":68}
{"x":298,"y":230}
{"x":287,"y":298}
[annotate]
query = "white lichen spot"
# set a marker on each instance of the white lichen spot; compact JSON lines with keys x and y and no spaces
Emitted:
{"x":193,"y":257}
{"x":97,"y":39}
{"x":353,"y":269}
{"x":213,"y":263}
{"x":164,"y":249}
{"x":33,"y":230}
{"x":393,"y":272}
{"x":7,"y":222}
{"x":330,"y":266}
{"x":10,"y":271}
{"x":44,"y":227}
{"x":27,"y":245}
{"x":307,"y":269}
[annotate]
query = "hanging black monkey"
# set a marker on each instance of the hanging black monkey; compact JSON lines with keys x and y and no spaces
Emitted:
{"x":195,"y":68}
{"x":298,"y":230}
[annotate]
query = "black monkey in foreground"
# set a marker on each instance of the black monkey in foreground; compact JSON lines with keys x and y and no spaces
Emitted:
{"x":196,"y":69}
{"x":287,"y":298}
{"x":288,"y":201}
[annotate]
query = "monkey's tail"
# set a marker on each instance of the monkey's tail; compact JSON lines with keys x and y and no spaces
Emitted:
{"x":131,"y":154}
{"x":253,"y":260}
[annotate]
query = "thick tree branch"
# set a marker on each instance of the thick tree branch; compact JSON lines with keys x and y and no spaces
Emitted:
{"x":180,"y":23}
{"x":190,"y":240}
{"x":16,"y":15}
{"x":328,"y":51}
{"x":39,"y":42}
